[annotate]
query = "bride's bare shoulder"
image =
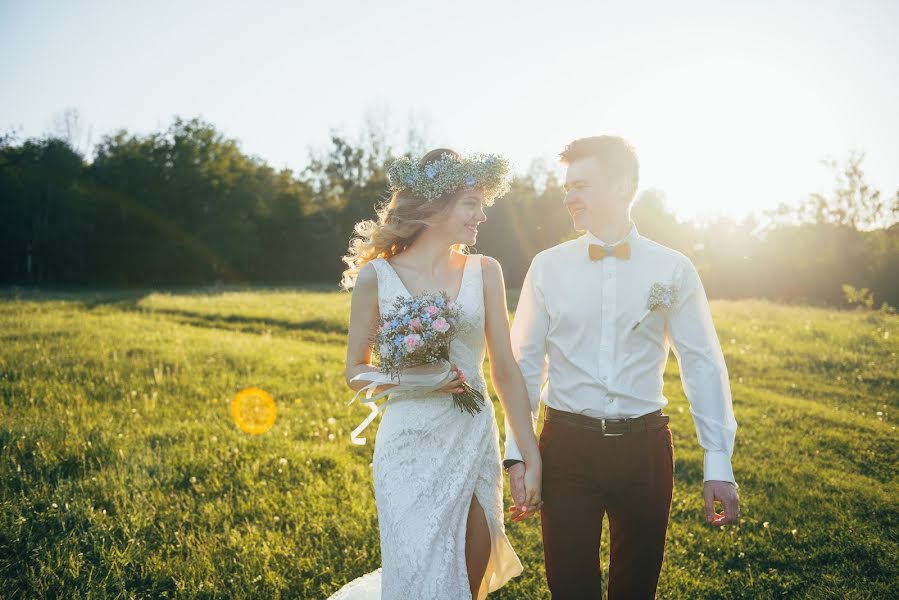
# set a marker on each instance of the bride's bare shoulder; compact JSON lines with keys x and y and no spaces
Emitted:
{"x":492,"y":271}
{"x":367,"y":279}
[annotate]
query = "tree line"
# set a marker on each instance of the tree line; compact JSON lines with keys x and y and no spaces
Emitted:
{"x":186,"y":206}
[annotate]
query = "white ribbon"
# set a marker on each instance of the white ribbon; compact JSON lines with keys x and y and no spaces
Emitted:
{"x":422,"y":379}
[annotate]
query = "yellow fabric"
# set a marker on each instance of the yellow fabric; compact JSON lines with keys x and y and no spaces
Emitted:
{"x":598,"y":252}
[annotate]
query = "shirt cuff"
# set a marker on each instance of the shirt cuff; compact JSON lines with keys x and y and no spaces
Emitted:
{"x":717,"y":466}
{"x":511,"y":450}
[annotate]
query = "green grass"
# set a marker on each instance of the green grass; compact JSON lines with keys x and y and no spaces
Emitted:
{"x":124,"y":476}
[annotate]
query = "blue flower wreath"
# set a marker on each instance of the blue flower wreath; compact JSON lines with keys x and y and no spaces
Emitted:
{"x":489,"y":172}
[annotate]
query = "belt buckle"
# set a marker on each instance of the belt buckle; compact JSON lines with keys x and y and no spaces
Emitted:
{"x":604,"y":430}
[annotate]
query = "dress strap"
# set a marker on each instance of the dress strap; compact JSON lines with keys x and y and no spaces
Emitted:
{"x":477,"y":273}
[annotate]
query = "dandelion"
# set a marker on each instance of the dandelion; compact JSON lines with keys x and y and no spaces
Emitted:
{"x":282,"y":461}
{"x":330,"y":437}
{"x":331,"y":420}
{"x":193,"y":479}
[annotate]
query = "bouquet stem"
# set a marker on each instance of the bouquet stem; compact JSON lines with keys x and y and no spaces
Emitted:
{"x":646,"y":314}
{"x":469,"y":399}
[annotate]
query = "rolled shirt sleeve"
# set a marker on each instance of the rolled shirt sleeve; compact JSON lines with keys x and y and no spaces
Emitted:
{"x":703,"y":372}
{"x":528,"y":335}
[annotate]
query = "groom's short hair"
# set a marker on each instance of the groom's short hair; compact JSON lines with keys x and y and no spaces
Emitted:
{"x":614,"y":153}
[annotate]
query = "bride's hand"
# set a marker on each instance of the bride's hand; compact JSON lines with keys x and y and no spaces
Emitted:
{"x":454,"y":386}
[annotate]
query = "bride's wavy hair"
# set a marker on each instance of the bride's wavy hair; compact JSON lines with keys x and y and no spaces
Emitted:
{"x":400,"y":221}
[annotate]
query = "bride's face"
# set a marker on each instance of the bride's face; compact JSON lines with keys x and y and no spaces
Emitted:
{"x":464,"y":217}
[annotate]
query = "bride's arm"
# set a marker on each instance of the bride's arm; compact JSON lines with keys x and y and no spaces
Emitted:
{"x":507,"y":378}
{"x":364,"y":317}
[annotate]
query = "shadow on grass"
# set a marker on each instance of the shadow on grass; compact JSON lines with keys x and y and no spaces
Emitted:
{"x":130,"y":299}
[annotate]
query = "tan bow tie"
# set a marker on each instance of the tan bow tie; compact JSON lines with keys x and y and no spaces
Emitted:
{"x":598,"y":251}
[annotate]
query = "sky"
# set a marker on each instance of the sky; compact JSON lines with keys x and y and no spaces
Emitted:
{"x":731,"y":106}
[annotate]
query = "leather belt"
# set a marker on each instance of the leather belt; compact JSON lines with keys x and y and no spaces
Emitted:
{"x":608,"y":427}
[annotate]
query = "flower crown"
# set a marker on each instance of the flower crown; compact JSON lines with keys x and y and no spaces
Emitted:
{"x":489,"y":172}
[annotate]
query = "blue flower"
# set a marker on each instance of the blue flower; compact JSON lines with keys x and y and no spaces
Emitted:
{"x":470,"y":180}
{"x":410,"y":181}
{"x":431,"y":171}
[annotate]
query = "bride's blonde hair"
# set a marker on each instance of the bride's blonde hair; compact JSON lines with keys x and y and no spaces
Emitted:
{"x":400,"y":221}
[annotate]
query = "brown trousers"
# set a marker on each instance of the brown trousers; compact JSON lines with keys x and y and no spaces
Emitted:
{"x":585,"y":476}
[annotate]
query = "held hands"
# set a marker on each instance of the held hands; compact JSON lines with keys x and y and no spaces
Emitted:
{"x":726,"y":493}
{"x":525,"y":484}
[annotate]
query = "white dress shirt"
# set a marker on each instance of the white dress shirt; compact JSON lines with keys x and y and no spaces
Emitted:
{"x":572,"y":330}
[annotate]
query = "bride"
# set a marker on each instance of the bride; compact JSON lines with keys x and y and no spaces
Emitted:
{"x":437,"y":470}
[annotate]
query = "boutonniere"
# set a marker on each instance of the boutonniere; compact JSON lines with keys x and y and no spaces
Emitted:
{"x":661,"y":297}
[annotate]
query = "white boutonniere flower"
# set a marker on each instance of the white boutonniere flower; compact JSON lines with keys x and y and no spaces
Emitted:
{"x":661,"y":297}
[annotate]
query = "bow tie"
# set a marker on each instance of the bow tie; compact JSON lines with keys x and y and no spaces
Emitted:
{"x":598,"y":251}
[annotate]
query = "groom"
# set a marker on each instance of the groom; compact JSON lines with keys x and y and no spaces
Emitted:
{"x":605,"y":443}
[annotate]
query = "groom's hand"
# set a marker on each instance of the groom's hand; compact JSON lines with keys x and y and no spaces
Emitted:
{"x":726,"y":493}
{"x":519,"y":507}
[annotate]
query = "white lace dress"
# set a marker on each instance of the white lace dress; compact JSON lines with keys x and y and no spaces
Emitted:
{"x":429,"y":459}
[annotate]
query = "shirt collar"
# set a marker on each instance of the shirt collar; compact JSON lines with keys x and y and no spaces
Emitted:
{"x":631,"y":237}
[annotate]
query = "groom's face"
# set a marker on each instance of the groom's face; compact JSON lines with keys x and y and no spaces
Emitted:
{"x":590,"y":197}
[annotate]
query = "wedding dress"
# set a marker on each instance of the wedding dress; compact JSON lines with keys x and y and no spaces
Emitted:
{"x":429,"y":459}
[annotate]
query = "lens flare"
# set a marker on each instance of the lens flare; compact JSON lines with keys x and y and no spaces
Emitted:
{"x":253,"y":410}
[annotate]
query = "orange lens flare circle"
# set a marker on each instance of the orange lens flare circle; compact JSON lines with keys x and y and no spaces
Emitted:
{"x":253,"y":410}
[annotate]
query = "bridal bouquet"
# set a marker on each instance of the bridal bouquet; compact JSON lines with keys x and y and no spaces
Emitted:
{"x":417,"y":333}
{"x":412,"y":345}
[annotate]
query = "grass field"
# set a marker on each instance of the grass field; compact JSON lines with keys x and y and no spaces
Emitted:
{"x":124,"y":476}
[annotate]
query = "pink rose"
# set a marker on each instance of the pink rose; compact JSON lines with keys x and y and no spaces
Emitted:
{"x":412,"y":341}
{"x":415,"y":324}
{"x":441,"y":325}
{"x":432,"y":310}
{"x":450,"y":305}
